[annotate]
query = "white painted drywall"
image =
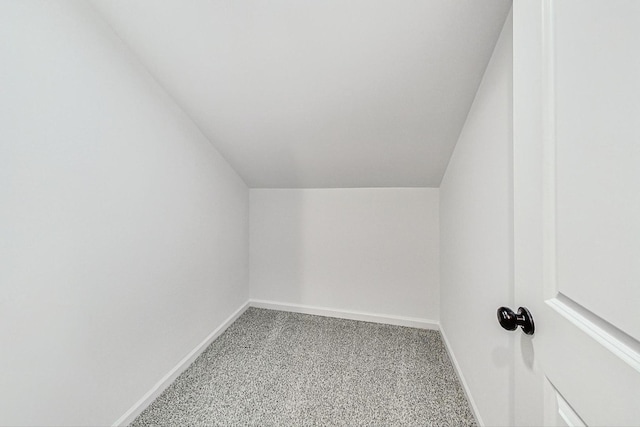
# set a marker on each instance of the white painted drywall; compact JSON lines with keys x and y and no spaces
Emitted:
{"x":316,"y":94}
{"x":123,"y":233}
{"x":364,"y":250}
{"x":476,"y":241}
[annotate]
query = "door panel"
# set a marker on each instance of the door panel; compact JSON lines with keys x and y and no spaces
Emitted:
{"x":577,"y":209}
{"x":559,"y":412}
{"x":595,"y":73}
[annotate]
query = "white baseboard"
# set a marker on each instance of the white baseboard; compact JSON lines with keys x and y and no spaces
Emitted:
{"x":161,"y":385}
{"x":165,"y":381}
{"x":388,"y":319}
{"x":465,"y":386}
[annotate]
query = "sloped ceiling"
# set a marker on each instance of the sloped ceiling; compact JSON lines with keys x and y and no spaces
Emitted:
{"x":319,"y":93}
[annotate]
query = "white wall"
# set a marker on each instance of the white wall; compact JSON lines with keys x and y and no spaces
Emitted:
{"x":123,"y":233}
{"x":368,"y":250}
{"x":476,"y":252}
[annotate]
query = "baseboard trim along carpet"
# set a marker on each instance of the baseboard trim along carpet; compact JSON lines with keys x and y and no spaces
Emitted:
{"x":413,"y":322}
{"x":387,"y":319}
{"x":465,"y":386}
{"x":170,"y":377}
{"x":280,"y":368}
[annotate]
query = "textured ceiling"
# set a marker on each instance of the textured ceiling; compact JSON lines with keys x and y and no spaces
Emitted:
{"x":326,"y":93}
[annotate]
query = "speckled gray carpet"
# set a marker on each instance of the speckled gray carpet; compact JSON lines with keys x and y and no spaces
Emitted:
{"x":273,"y":368}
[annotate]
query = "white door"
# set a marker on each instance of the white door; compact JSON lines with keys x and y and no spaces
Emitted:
{"x":577,"y":210}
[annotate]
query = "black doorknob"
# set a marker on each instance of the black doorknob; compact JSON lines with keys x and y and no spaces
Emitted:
{"x":510,"y":320}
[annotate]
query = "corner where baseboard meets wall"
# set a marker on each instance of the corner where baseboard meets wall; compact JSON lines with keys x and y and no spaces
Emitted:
{"x":166,"y":380}
{"x":388,"y":319}
{"x":465,"y":386}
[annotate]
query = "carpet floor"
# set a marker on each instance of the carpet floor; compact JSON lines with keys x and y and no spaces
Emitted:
{"x":274,"y":368}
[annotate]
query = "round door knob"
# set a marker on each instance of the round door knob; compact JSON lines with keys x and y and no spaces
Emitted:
{"x":510,"y":320}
